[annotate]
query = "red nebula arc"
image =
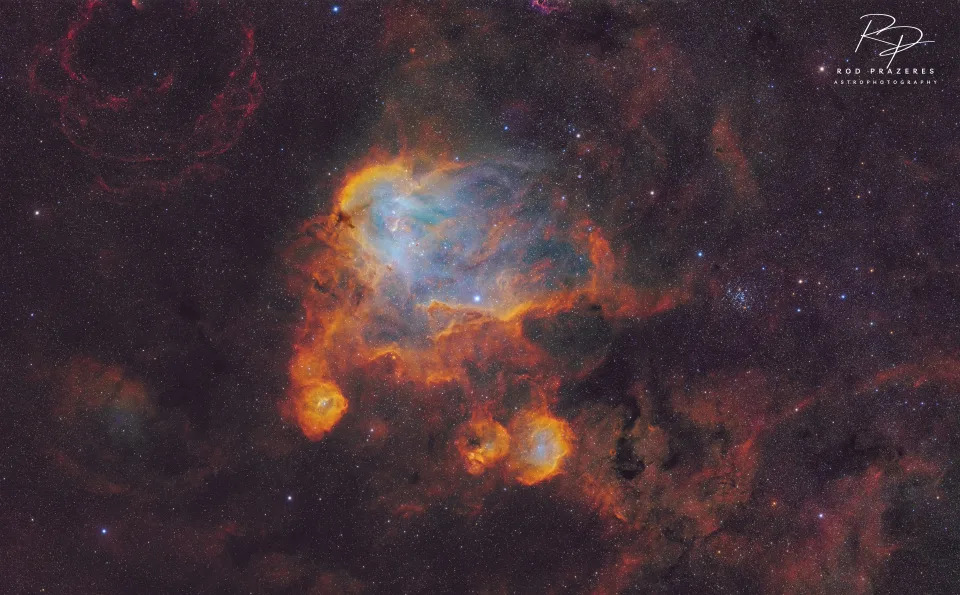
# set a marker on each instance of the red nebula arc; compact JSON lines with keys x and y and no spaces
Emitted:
{"x":136,"y":134}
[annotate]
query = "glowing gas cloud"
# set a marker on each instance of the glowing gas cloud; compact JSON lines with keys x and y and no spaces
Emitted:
{"x":471,"y":281}
{"x":460,"y":236}
{"x":482,"y":443}
{"x":319,"y":409}
{"x":542,"y":444}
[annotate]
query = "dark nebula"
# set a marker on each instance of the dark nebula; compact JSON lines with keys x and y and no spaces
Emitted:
{"x":507,"y":296}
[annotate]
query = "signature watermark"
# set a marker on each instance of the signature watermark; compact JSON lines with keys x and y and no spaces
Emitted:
{"x":888,"y":33}
{"x":887,"y":39}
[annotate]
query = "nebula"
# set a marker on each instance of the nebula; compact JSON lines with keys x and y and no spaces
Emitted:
{"x":131,"y":121}
{"x":542,"y":442}
{"x":538,"y":296}
{"x":459,"y":235}
{"x":319,"y":408}
{"x":453,"y":274}
{"x":482,"y":443}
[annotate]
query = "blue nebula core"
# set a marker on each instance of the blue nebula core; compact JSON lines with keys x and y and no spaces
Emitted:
{"x":481,"y":236}
{"x":544,"y":449}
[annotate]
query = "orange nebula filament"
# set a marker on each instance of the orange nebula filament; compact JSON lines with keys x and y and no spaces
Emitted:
{"x":482,"y":443}
{"x":455,"y":286}
{"x":541,"y":443}
{"x":319,"y":408}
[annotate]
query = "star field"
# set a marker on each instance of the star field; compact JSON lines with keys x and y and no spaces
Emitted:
{"x":510,"y":296}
